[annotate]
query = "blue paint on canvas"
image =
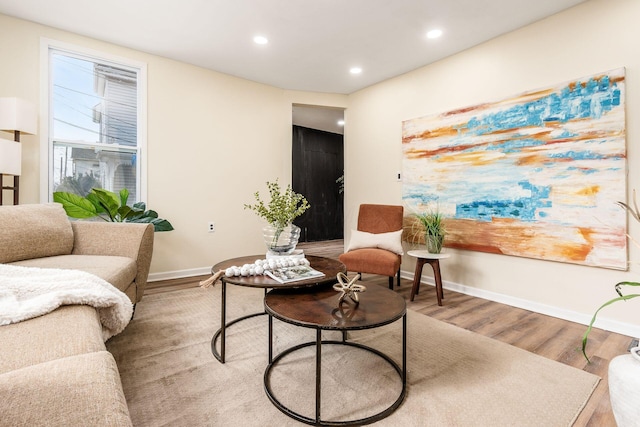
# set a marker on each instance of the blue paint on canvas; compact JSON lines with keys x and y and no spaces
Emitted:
{"x":523,"y":208}
{"x":589,"y":100}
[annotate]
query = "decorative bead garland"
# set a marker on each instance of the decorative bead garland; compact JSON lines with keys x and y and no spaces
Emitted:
{"x":259,"y":267}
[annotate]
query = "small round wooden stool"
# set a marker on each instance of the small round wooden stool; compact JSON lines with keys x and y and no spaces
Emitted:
{"x":423,"y":257}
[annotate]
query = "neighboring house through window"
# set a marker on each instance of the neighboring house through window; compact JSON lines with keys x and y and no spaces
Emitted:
{"x":95,"y":124}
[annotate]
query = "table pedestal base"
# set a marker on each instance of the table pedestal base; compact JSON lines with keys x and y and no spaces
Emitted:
{"x":317,"y":420}
{"x":221,"y":333}
{"x":435,"y":264}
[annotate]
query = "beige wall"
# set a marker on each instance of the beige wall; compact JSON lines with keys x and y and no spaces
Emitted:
{"x":597,"y":36}
{"x":213,"y":140}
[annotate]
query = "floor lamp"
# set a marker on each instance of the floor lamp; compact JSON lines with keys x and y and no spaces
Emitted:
{"x":17,"y":116}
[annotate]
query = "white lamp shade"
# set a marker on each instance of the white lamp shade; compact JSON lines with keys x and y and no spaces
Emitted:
{"x":10,"y":157}
{"x":18,"y":114}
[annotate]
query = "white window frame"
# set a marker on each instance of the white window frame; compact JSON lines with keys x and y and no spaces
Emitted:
{"x":46,"y":142}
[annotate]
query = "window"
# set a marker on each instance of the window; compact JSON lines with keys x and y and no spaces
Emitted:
{"x":95,"y":136}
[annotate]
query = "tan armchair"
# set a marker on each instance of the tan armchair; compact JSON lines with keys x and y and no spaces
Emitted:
{"x":376,"y":246}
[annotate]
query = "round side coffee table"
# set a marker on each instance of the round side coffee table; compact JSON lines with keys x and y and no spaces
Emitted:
{"x":328,"y":266}
{"x":318,"y":309}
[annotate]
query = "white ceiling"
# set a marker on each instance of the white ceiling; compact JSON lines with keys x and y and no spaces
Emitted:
{"x":312,"y":44}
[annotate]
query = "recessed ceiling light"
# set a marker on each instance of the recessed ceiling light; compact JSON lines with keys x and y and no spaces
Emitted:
{"x":434,"y":34}
{"x":340,"y":122}
{"x":260,"y":40}
{"x":355,"y":70}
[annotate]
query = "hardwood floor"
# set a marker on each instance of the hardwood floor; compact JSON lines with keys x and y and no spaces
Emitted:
{"x":546,"y":336}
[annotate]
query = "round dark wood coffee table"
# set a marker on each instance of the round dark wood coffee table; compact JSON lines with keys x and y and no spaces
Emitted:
{"x":328,"y":266}
{"x":318,"y":309}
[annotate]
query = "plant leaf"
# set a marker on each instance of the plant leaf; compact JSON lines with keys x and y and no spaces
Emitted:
{"x":96,"y":202}
{"x":135,"y":215}
{"x":140,"y":205}
{"x":593,"y":319}
{"x":110,"y":201}
{"x":159,"y":224}
{"x":75,"y":206}
{"x":124,"y":196}
{"x":125,"y":212}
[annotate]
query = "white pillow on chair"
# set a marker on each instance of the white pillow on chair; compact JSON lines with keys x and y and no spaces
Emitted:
{"x":389,"y":241}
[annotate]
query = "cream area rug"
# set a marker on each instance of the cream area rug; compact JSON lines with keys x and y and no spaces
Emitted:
{"x":455,"y":377}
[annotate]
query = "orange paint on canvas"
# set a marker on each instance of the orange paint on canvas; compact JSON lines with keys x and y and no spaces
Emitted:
{"x":589,"y":191}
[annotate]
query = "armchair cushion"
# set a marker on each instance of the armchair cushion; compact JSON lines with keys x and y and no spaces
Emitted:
{"x":391,"y":241}
{"x":372,"y":260}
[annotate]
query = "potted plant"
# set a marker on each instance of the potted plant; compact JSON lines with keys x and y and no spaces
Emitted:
{"x":281,"y":235}
{"x":431,"y":225}
{"x":109,"y":206}
{"x":624,"y":370}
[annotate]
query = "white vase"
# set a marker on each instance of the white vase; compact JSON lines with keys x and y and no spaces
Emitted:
{"x":624,"y":388}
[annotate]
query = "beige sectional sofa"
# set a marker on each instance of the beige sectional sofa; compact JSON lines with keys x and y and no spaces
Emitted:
{"x":55,"y":369}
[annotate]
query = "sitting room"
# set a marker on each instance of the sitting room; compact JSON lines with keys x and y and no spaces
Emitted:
{"x":245,"y":140}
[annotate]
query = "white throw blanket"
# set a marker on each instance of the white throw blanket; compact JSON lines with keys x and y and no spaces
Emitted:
{"x":27,"y":292}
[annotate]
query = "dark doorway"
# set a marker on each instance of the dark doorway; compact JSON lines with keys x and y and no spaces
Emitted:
{"x":318,"y":161}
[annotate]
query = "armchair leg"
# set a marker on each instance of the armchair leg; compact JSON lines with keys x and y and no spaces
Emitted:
{"x":398,"y":277}
{"x":391,"y":282}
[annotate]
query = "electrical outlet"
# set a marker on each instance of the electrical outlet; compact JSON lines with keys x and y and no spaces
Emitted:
{"x":211,"y":227}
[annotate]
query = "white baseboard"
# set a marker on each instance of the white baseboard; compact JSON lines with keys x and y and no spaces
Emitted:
{"x":179,"y":274}
{"x":572,"y":316}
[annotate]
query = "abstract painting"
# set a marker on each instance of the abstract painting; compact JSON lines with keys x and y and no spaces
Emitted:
{"x":536,"y":175}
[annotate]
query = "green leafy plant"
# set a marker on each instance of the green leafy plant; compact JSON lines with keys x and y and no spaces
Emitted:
{"x":432,"y":222}
{"x":283,"y":207}
{"x":434,"y":229}
{"x":110,"y":207}
{"x":635,"y":213}
{"x":426,"y":227}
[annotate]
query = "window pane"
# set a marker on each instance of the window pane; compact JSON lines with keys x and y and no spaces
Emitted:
{"x":78,"y":169}
{"x":74,"y":100}
{"x":94,"y":125}
{"x":117,"y":112}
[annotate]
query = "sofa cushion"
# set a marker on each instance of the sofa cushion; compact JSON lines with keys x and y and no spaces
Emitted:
{"x":117,"y":270}
{"x":68,"y":331}
{"x":34,"y":231}
{"x":82,"y":390}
